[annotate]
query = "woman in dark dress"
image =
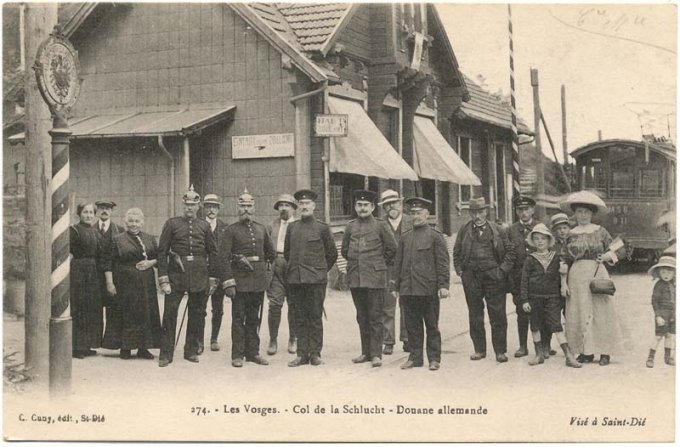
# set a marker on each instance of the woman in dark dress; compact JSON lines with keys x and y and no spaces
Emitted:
{"x":133,"y":320}
{"x":86,"y":300}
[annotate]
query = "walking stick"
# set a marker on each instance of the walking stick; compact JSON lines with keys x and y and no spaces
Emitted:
{"x":182,"y":323}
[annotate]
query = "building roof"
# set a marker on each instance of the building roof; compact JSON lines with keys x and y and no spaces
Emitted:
{"x":149,"y":123}
{"x":483,"y":106}
{"x":314,"y":24}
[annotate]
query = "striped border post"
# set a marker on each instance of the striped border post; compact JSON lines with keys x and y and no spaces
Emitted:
{"x":60,"y":321}
{"x":513,"y":113}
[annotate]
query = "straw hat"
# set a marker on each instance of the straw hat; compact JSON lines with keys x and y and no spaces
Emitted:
{"x":587,"y":198}
{"x":664,"y":261}
{"x":389,"y":196}
{"x":540,"y":229}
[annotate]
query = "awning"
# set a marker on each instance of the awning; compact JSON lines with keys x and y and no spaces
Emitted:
{"x":434,"y":159}
{"x":177,"y":122}
{"x":364,"y":151}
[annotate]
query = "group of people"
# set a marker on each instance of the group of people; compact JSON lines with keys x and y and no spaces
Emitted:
{"x":401,"y":259}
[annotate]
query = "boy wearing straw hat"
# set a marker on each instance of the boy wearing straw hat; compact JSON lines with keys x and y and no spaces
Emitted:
{"x":540,"y":292}
{"x":663,"y":302}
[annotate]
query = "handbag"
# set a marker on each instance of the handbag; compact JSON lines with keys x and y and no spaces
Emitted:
{"x":604,"y":286}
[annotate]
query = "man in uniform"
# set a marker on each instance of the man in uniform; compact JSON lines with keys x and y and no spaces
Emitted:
{"x":422,"y":279}
{"x":369,"y":246}
{"x":276,"y":293}
{"x":483,"y":256}
{"x":399,"y":223}
{"x":310,"y":252}
{"x":211,"y":209}
{"x":187,"y":263}
{"x":108,"y":230}
{"x":518,"y":232}
{"x":248,"y":250}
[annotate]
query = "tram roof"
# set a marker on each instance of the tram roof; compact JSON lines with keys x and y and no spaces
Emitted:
{"x":666,"y":149}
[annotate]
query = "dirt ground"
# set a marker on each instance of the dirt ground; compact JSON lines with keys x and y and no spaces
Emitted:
{"x":213,"y":401}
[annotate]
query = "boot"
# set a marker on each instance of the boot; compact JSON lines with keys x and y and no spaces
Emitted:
{"x":668,"y":357}
{"x":292,"y":345}
{"x":523,"y":332}
{"x":273,"y":347}
{"x":274,"y":319}
{"x":650,"y":358}
{"x":569,"y":357}
{"x":539,"y":354}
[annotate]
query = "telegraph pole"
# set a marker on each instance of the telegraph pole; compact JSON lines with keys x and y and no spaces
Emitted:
{"x":540,"y":181}
{"x":39,"y":20}
{"x":565,"y":151}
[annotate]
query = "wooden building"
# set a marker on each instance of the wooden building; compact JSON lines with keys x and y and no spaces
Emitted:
{"x":225,"y":96}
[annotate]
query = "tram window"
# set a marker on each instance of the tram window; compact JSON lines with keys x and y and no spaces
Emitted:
{"x":623,"y":182}
{"x":595,"y":177}
{"x":650,"y":183}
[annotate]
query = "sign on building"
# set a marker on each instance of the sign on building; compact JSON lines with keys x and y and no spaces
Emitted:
{"x":263,"y":146}
{"x":328,"y":125}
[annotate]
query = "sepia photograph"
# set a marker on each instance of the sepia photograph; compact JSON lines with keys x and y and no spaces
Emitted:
{"x":339,"y":222}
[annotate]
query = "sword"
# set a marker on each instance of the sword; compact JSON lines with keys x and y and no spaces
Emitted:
{"x":182,"y":323}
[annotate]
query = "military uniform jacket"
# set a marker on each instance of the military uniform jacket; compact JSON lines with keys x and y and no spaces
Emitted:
{"x":423,"y":262}
{"x":252,"y":240}
{"x":405,"y":225}
{"x":310,"y":251}
{"x":504,"y":250}
{"x":188,"y":238}
{"x":517,"y":234}
{"x":369,"y":246}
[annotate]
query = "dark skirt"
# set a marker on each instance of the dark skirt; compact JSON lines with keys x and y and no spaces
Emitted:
{"x":86,"y":305}
{"x":133,"y":320}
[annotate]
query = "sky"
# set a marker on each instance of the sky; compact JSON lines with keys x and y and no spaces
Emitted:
{"x":617,"y":62}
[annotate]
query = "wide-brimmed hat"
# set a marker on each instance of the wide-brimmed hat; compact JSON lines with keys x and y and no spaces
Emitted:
{"x":191,"y":196}
{"x":477,"y":204}
{"x":417,"y":203}
{"x":285,"y":198}
{"x":107,"y":203}
{"x":212,"y":199}
{"x":540,"y":229}
{"x":664,"y":261}
{"x":558,"y":219}
{"x":587,"y":198}
{"x":389,"y":196}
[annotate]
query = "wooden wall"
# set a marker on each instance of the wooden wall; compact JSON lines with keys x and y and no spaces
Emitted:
{"x":143,"y":56}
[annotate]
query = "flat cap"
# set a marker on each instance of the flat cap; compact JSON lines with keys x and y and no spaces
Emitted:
{"x":109,"y":203}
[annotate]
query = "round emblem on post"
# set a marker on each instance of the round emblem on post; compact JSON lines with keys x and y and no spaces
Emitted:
{"x":57,"y":70}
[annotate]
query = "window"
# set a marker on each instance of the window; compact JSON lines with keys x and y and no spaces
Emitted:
{"x":650,"y":183}
{"x":622,"y":172}
{"x":465,"y":153}
{"x":341,"y":188}
{"x":596,"y":176}
{"x":623,"y":182}
{"x":429,"y":192}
